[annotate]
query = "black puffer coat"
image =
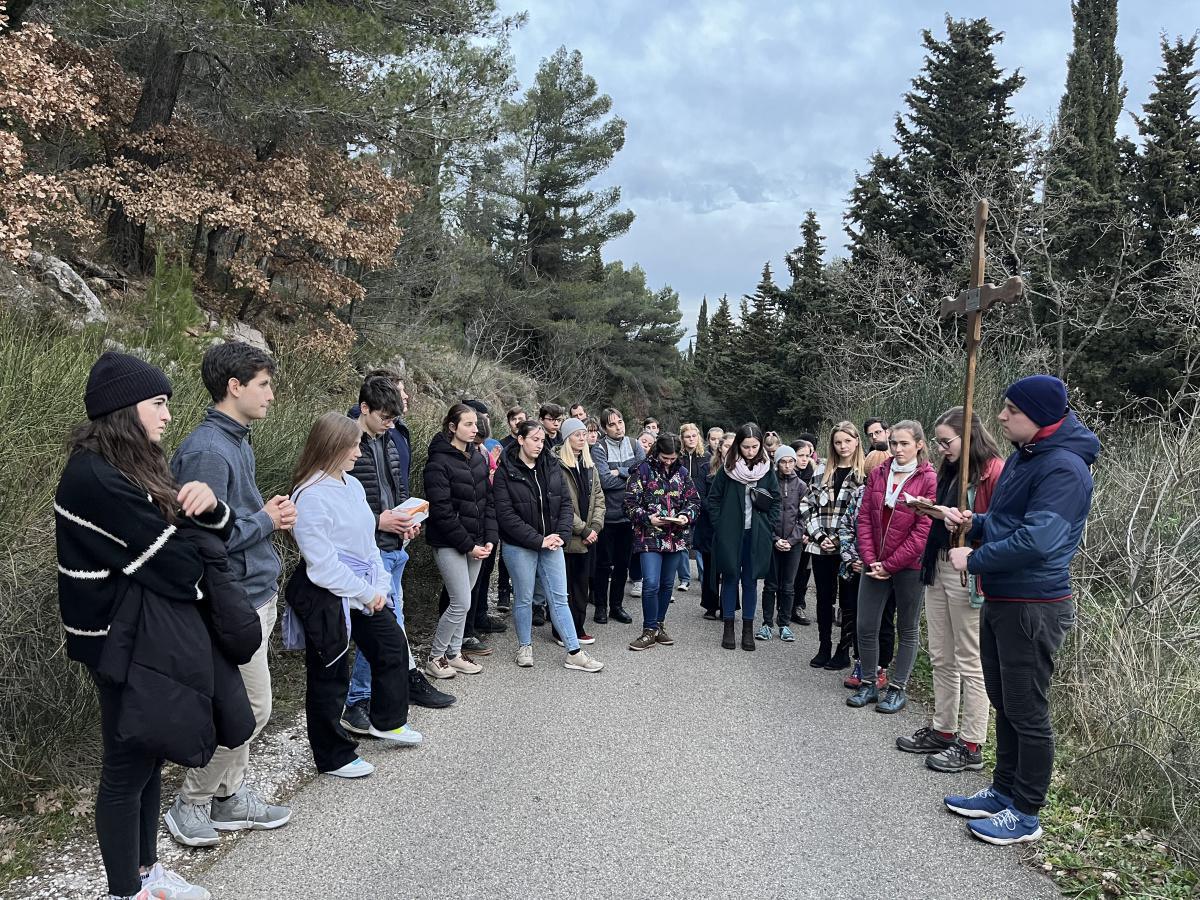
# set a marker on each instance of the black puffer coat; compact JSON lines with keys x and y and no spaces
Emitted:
{"x":531,"y":503}
{"x":461,"y":515}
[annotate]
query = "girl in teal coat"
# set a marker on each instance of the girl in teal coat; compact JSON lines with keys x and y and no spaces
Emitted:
{"x":743,"y":507}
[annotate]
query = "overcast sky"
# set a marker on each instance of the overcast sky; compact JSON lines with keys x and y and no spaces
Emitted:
{"x":743,"y":114}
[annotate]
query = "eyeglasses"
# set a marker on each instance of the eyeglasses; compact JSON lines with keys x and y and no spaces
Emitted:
{"x":945,"y":444}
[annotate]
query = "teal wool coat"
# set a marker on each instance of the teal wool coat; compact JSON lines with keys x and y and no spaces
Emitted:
{"x":726,"y":502}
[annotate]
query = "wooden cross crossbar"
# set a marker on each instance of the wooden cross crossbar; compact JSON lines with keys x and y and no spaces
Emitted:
{"x":981,"y":299}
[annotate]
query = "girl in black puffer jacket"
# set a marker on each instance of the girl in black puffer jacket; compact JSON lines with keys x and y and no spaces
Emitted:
{"x":461,"y":530}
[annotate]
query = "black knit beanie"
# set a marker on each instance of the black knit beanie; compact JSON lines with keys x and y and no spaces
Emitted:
{"x":118,"y":380}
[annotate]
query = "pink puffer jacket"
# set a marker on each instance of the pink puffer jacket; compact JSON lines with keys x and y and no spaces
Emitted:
{"x":901,"y":547}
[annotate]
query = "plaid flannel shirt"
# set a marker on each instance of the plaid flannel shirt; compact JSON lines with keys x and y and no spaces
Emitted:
{"x":821,"y":511}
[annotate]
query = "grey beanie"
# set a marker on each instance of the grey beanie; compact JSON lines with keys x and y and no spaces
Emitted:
{"x":784,"y":452}
{"x":569,"y":427}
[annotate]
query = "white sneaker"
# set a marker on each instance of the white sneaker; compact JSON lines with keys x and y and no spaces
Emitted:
{"x":356,"y":768}
{"x":525,"y":656}
{"x":461,"y":664}
{"x":439,"y":667}
{"x":166,"y":885}
{"x":409,"y":737}
{"x":637,"y":589}
{"x":582,"y":662}
{"x":685,"y":585}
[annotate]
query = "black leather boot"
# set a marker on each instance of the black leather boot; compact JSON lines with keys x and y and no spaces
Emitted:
{"x":727,"y":640}
{"x":747,"y":634}
{"x":822,"y":657}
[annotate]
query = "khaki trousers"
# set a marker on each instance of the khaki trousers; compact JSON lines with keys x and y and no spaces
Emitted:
{"x":226,"y":771}
{"x":954,"y":651}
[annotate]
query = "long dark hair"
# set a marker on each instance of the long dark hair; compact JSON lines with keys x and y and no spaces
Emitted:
{"x":120,"y":440}
{"x":749,"y":430}
{"x":983,"y":446}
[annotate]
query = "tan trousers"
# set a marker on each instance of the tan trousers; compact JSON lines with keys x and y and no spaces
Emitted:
{"x":226,"y":771}
{"x":954,"y":651}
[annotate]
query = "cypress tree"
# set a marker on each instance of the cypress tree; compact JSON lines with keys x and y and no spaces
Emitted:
{"x":702,"y":345}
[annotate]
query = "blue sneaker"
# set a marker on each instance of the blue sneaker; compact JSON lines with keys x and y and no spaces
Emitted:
{"x":785,"y":634}
{"x":763,"y":634}
{"x":893,"y":700}
{"x":980,"y":805}
{"x":1007,"y":827}
{"x":867,"y":693}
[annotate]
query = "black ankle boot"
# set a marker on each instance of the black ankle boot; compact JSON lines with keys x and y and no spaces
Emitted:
{"x":822,"y":657}
{"x":727,"y":640}
{"x":840,"y":660}
{"x":747,"y":634}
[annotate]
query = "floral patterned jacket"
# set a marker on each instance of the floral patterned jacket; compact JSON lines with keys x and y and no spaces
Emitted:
{"x":653,"y":490}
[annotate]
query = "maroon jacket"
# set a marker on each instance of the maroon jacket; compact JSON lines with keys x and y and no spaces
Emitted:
{"x":901,"y":547}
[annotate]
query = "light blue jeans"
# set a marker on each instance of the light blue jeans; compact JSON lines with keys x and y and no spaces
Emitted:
{"x":360,"y":677}
{"x":547,"y":569}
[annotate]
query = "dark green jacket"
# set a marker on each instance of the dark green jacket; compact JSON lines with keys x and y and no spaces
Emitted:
{"x":726,"y":501}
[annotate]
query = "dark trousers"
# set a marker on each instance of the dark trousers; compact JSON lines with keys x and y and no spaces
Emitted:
{"x":781,"y":584}
{"x":801,"y":582}
{"x":581,"y":571}
{"x":503,"y":582}
{"x":887,"y":631}
{"x":834,"y":591}
{"x":127,"y":802}
{"x":612,"y":564}
{"x":381,"y":640}
{"x":635,"y":567}
{"x":1017,"y":643}
{"x":710,"y":586}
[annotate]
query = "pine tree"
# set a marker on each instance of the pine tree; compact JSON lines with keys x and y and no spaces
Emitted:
{"x":702,"y":345}
{"x":803,"y":304}
{"x":757,"y":371}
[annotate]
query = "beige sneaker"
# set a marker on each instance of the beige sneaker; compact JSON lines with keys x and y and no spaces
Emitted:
{"x":525,"y":656}
{"x":439,"y":667}
{"x":582,"y":662}
{"x":461,"y":664}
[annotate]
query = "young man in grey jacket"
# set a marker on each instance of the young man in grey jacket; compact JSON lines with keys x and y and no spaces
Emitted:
{"x":238,"y":376}
{"x":614,"y":455}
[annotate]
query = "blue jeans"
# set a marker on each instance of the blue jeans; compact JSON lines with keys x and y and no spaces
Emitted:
{"x":684,"y":569}
{"x":360,"y":676}
{"x":547,"y":569}
{"x":749,"y":584}
{"x":658,"y":580}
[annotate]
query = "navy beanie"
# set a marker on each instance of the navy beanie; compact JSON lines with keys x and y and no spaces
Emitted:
{"x":118,"y":380}
{"x":1041,"y":397}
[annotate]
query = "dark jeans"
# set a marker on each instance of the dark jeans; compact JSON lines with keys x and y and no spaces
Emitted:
{"x":503,"y":582}
{"x":127,"y":802}
{"x":745,"y":578}
{"x":581,"y":570}
{"x":781,"y":583}
{"x":658,"y":581}
{"x":834,"y":591}
{"x":887,"y":631}
{"x":801,"y":582}
{"x":1017,"y":643}
{"x":381,"y":640}
{"x":612,"y":564}
{"x":710,"y":586}
{"x":905,"y":592}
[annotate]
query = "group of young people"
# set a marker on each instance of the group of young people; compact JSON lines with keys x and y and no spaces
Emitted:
{"x":169,"y":579}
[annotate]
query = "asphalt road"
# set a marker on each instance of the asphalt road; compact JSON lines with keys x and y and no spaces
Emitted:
{"x":685,"y":771}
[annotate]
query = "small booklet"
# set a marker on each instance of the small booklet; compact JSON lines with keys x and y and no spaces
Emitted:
{"x":415,"y":508}
{"x":922,"y":506}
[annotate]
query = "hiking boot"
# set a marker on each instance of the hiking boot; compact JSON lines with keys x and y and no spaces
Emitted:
{"x":747,"y":634}
{"x":636,"y":590}
{"x":539,"y":616}
{"x":163,"y":884}
{"x":473,"y":646}
{"x":525,"y":656}
{"x":727,"y":640}
{"x":405,"y":735}
{"x":881,"y":679}
{"x":958,"y":757}
{"x":854,"y":679}
{"x":191,"y":825}
{"x":461,"y":664}
{"x":492,"y":625}
{"x":840,"y":660}
{"x":980,"y":805}
{"x":924,"y":740}
{"x":581,"y":662}
{"x":422,"y":693}
{"x":1007,"y":827}
{"x":661,"y":636}
{"x":822,"y":657}
{"x":618,"y":613}
{"x":356,"y":768}
{"x":601,"y":616}
{"x":355,"y":718}
{"x":865,"y":694}
{"x":439,"y":667}
{"x":894,"y":699}
{"x":246,"y":811}
{"x":645,"y":640}
{"x":785,"y":634}
{"x":763,"y":634}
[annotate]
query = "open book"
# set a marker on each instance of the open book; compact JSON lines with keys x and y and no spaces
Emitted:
{"x":416,"y":508}
{"x":922,"y":506}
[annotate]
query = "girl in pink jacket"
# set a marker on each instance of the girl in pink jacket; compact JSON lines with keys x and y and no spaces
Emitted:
{"x":891,"y":540}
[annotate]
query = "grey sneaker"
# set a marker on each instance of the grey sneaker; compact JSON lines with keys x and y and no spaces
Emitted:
{"x":163,"y":884}
{"x":190,"y":825}
{"x":246,"y":810}
{"x":525,"y":656}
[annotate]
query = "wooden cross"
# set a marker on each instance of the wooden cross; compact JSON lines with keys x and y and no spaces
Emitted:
{"x":975,"y":301}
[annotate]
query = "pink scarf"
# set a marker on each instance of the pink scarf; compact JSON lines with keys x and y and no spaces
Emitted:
{"x":747,"y":475}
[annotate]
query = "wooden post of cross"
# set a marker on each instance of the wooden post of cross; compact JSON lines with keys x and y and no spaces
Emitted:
{"x":975,"y":301}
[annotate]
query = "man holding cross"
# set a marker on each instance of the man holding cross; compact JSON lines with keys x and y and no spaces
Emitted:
{"x":1025,"y":543}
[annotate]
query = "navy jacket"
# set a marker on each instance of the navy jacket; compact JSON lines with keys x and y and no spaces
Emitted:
{"x":1032,"y":528}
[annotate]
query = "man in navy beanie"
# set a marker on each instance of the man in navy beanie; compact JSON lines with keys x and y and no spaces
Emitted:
{"x":1020,"y":550}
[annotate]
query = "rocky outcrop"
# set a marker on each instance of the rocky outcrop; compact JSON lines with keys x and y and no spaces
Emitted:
{"x":68,"y":284}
